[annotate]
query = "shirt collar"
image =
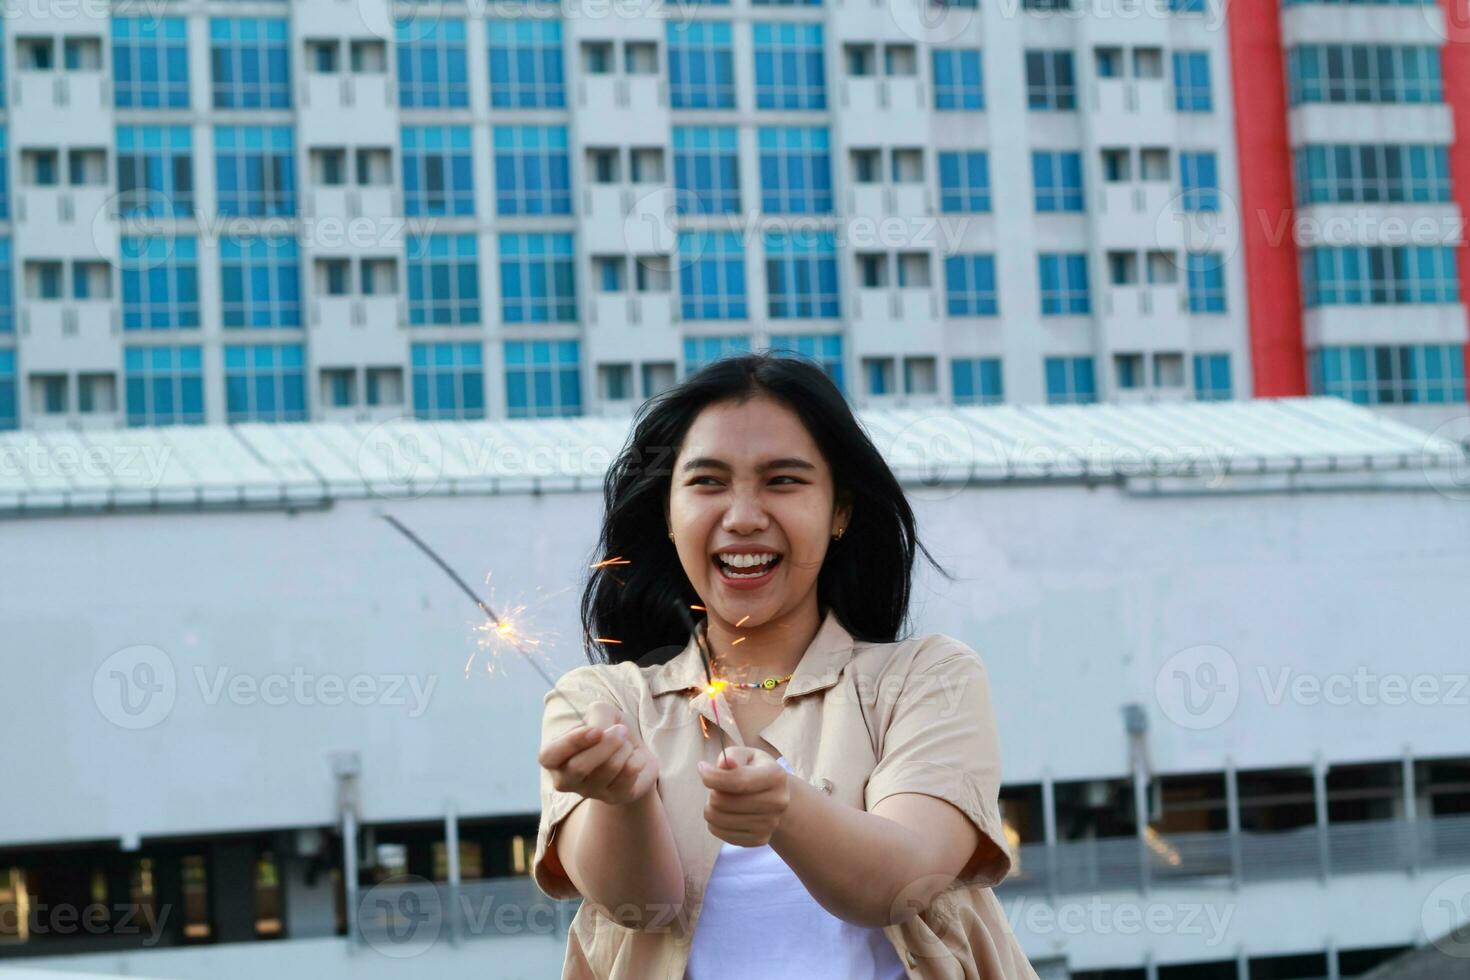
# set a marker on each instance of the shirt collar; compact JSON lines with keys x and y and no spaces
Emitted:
{"x":830,"y":650}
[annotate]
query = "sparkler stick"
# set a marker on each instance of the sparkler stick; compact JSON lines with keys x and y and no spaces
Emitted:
{"x":484,"y":606}
{"x":714,"y":686}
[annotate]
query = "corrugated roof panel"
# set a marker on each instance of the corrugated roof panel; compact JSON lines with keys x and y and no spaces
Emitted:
{"x":262,"y":464}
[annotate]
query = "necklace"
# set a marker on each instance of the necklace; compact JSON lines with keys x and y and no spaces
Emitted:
{"x":768,"y":684}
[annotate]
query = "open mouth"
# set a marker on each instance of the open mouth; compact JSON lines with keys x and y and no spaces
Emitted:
{"x":746,"y":567}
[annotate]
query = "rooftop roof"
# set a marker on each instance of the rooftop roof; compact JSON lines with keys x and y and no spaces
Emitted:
{"x":1189,"y":447}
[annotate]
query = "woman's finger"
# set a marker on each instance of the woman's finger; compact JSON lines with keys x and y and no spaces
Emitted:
{"x":597,"y":780}
{"x":742,"y":803}
{"x":554,"y":754}
{"x":580,"y":766}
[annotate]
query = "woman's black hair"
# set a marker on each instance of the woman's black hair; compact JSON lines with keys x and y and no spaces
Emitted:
{"x":638,"y":603}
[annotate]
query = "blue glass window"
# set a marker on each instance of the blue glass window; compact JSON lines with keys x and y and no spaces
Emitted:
{"x":1199,"y":181}
{"x":543,"y":378}
{"x":160,"y":283}
{"x":4,"y":177}
{"x":958,"y":80}
{"x":707,"y":169}
{"x":448,"y":380}
{"x":1205,"y":272}
{"x":1070,"y":381}
{"x":1051,"y":83}
{"x":265,"y":383}
{"x":250,"y":63}
{"x":438,"y":172}
{"x":1212,"y":377}
{"x":969,"y":285}
{"x":431,"y":64}
{"x":964,"y":181}
{"x":526,"y":65}
{"x":7,"y":290}
{"x":801,"y":274}
{"x":1064,"y":288}
{"x":155,"y":172}
{"x":443,"y":280}
{"x":163,"y":385}
{"x":1413,"y":374}
{"x":537,"y":278}
{"x":977,"y":381}
{"x":1353,"y":173}
{"x":711,"y":276}
{"x":255,"y":171}
{"x":9,"y":418}
{"x":1353,"y":275}
{"x":150,"y":62}
{"x":1192,"y":81}
{"x":790,"y":72}
{"x":532,"y":170}
{"x":260,"y":282}
{"x":701,"y":65}
{"x":1057,"y":176}
{"x":1364,"y":74}
{"x":796,"y":170}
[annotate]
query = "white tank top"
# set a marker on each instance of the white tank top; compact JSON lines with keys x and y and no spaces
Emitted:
{"x":758,"y":921}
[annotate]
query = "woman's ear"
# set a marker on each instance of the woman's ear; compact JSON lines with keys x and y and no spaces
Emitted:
{"x":842,"y":515}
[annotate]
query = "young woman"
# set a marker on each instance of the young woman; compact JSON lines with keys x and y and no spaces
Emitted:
{"x":850,"y":827}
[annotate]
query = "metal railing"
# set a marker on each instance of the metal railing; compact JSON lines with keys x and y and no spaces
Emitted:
{"x":1122,"y":863}
{"x":392,"y":915}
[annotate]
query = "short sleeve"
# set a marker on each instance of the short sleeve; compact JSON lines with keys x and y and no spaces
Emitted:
{"x":575,"y":690}
{"x":941,"y":740}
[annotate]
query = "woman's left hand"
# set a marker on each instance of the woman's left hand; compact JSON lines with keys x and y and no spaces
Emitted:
{"x":747,"y":798}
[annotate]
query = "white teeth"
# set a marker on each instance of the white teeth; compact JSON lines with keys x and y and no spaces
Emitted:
{"x":747,"y":561}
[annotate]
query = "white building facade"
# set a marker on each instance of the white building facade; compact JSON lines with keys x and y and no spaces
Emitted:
{"x":257,"y":732}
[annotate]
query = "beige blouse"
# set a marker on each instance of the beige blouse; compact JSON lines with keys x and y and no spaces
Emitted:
{"x":861,"y":722}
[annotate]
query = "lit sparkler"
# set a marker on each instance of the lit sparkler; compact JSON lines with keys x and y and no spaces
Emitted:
{"x":712,"y":686}
{"x":499,"y":629}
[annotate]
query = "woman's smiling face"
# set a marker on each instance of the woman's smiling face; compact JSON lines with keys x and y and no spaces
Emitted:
{"x":750,"y":477}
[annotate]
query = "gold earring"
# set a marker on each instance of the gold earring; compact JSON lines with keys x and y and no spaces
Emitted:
{"x":671,"y":535}
{"x":840,"y":532}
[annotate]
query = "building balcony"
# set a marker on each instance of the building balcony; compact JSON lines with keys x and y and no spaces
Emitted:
{"x":614,"y":109}
{"x":71,"y":335}
{"x":357,"y":329}
{"x":883,"y":110}
{"x":349,"y":109}
{"x":70,"y":102}
{"x":67,"y":221}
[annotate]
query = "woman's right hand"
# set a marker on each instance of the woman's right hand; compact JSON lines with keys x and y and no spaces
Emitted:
{"x":601,"y":760}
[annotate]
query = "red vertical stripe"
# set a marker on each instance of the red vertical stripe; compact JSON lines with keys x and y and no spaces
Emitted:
{"x":1455,"y":60}
{"x":1263,"y":153}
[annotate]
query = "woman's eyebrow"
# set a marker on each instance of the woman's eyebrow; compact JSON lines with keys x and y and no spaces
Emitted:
{"x":784,"y":463}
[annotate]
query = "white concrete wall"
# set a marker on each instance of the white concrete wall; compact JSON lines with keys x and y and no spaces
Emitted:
{"x":1076,"y":598}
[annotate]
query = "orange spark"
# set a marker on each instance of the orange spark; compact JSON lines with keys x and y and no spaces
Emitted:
{"x":603,"y":639}
{"x":743,"y":619}
{"x":614,"y":560}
